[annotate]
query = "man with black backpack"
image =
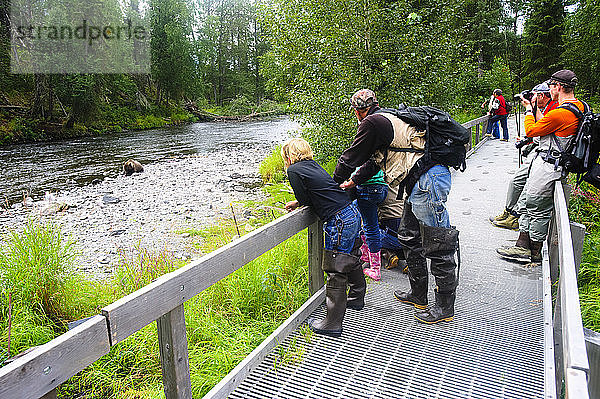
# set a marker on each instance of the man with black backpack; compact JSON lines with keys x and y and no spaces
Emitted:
{"x":509,"y":219}
{"x":412,"y":156}
{"x":556,"y":129}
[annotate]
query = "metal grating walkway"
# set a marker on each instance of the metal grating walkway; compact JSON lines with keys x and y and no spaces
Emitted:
{"x":492,"y":349}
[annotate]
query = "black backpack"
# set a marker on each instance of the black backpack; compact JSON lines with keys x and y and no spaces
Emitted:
{"x":508,"y":107}
{"x":581,"y":155}
{"x":445,"y":138}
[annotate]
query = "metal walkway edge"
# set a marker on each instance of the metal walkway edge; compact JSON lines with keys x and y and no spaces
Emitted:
{"x":494,"y":348}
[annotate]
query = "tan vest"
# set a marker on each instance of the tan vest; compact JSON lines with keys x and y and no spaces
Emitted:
{"x":391,"y":208}
{"x":395,"y":164}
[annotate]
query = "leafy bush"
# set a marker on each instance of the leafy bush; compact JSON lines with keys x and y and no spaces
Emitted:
{"x":584,"y":207}
{"x":240,"y":105}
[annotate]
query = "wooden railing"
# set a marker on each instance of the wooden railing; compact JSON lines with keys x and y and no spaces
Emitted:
{"x":480,"y":124}
{"x":565,"y":345}
{"x":41,"y":370}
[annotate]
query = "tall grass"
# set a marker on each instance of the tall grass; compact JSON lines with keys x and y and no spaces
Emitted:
{"x":224,"y":324}
{"x":271,"y":169}
{"x":34,"y":269}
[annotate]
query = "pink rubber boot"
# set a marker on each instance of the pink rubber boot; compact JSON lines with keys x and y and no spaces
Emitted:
{"x":364,"y":249}
{"x":375,"y":270}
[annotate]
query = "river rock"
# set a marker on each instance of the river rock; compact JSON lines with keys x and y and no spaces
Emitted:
{"x":107,"y":199}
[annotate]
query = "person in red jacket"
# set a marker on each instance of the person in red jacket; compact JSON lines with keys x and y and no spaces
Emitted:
{"x":499,"y":115}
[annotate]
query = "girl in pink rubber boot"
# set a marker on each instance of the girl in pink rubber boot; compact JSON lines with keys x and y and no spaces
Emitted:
{"x":369,"y":195}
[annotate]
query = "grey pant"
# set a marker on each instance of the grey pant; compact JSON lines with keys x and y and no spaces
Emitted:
{"x":515,"y":199}
{"x":539,"y":199}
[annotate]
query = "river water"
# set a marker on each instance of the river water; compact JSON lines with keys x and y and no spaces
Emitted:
{"x":33,"y":169}
{"x":193,"y":176}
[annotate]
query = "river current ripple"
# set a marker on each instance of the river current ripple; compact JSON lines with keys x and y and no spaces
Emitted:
{"x":33,"y":169}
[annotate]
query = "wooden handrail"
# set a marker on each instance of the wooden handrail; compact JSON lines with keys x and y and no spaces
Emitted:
{"x":46,"y":367}
{"x":570,"y":354}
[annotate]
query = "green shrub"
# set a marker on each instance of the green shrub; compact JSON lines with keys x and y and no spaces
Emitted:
{"x":271,"y":169}
{"x":584,"y":207}
{"x":240,"y":106}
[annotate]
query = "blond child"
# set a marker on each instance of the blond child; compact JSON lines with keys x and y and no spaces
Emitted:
{"x":314,"y":187}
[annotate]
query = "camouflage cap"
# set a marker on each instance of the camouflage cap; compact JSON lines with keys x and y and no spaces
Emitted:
{"x":541,"y":88}
{"x":363,"y":99}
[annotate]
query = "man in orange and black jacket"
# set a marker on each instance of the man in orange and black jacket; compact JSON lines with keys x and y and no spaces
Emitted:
{"x":555,"y":130}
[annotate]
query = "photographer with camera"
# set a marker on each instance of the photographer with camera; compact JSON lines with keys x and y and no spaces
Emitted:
{"x":499,"y":115}
{"x":555,"y":130}
{"x":542,"y":103}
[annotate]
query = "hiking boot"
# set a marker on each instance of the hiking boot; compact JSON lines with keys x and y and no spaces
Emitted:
{"x":390,"y":258}
{"x":536,"y":251}
{"x":441,"y":310}
{"x":515,"y":253}
{"x":511,"y":223}
{"x":392,"y":263}
{"x":520,"y":251}
{"x":375,"y":270}
{"x":500,"y":217}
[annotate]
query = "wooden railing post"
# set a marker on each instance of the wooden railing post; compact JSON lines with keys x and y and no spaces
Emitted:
{"x":578,"y":236}
{"x":173,"y":347}
{"x":315,"y":256}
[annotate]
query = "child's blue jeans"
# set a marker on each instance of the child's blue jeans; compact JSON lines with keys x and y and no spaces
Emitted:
{"x":369,"y":197}
{"x":341,"y":230}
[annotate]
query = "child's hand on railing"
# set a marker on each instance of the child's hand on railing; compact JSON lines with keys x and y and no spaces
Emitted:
{"x":290,"y":206}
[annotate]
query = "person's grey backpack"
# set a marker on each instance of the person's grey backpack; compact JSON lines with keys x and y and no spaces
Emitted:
{"x":581,"y":154}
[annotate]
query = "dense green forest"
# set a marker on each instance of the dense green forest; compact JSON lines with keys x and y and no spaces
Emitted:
{"x":235,"y":56}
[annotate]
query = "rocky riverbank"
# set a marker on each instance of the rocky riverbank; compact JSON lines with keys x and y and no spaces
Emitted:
{"x":149,"y":210}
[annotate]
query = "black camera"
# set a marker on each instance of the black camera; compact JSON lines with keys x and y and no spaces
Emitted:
{"x":522,"y":143}
{"x":526,"y":94}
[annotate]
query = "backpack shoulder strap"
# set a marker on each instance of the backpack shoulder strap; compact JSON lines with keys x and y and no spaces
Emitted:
{"x":573,"y":108}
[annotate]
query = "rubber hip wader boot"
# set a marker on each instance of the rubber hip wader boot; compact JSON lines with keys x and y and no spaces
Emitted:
{"x":356,"y":278}
{"x":409,"y":235}
{"x":440,"y":245}
{"x":337,"y":265}
{"x":418,"y":278}
{"x":443,"y":310}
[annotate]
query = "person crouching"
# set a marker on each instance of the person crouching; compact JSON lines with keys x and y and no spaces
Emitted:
{"x":314,"y":187}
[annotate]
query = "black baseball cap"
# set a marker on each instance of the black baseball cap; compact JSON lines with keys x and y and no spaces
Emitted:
{"x":564,"y":76}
